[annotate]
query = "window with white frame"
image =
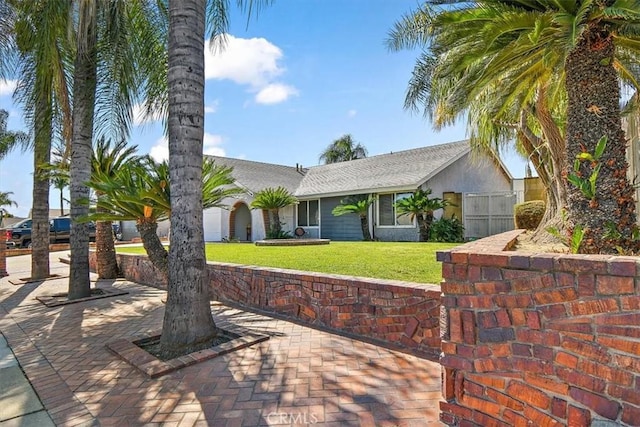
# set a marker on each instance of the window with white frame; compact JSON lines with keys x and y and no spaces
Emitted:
{"x":387,"y":216}
{"x":309,"y":213}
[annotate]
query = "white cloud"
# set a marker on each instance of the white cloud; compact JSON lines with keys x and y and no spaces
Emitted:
{"x":160,"y":151}
{"x":7,"y":87}
{"x":275,"y":93}
{"x":139,"y":115}
{"x":211,"y":108}
{"x":211,"y":146}
{"x":352,"y":113}
{"x":251,"y":62}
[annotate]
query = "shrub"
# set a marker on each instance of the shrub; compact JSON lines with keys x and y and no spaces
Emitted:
{"x":529,"y":214}
{"x":278,"y":233}
{"x":447,"y":230}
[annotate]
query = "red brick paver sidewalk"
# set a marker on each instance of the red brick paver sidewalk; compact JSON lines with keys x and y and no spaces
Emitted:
{"x":299,"y":376}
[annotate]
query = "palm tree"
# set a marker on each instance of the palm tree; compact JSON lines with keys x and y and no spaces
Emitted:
{"x":106,"y":161}
{"x":10,"y":140}
{"x":187,"y":291}
{"x":358,"y":205}
{"x":272,"y":200}
{"x":37,"y":44}
{"x":5,"y":200}
{"x":113,"y":40}
{"x":421,"y":207}
{"x":593,"y":113}
{"x":515,"y":85}
{"x":139,"y":191}
{"x":84,"y":95}
{"x":343,"y":149}
{"x":59,"y":174}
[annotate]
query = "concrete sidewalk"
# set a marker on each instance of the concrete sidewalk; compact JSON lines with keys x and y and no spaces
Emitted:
{"x":300,"y":376}
{"x":19,"y":403}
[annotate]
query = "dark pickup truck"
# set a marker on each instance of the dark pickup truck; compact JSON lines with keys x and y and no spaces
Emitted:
{"x":59,"y":232}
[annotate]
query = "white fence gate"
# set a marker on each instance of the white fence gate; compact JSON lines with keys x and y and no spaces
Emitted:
{"x":485,"y":214}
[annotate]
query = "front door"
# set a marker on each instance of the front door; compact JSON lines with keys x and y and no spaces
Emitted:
{"x":241,"y":218}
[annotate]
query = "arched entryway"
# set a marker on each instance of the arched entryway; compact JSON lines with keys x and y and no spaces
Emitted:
{"x":240,"y":222}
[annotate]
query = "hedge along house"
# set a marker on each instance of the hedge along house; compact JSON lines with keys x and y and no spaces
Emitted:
{"x":449,"y":170}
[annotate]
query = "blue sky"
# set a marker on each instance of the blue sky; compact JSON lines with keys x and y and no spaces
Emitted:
{"x":302,"y":74}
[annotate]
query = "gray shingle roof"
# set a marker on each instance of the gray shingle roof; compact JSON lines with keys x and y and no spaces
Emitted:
{"x":256,"y":176}
{"x":400,"y":170}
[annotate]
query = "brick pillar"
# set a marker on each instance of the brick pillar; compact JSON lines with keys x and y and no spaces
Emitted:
{"x":3,"y":253}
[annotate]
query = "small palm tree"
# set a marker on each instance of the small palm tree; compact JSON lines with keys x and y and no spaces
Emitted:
{"x":139,"y":191}
{"x":106,"y":161}
{"x":421,"y":207}
{"x":358,"y":205}
{"x":272,"y":200}
{"x":343,"y":149}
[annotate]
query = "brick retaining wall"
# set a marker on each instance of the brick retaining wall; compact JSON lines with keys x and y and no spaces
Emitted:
{"x":399,"y":314}
{"x":547,"y":339}
{"x":3,"y":253}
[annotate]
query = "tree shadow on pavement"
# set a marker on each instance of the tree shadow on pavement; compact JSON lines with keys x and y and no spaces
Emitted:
{"x":299,"y":376}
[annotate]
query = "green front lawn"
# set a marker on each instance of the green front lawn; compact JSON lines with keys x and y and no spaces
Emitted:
{"x":412,"y":262}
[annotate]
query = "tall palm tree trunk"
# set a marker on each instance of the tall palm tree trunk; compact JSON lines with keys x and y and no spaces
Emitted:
{"x":592,"y":113}
{"x":40,"y":268}
{"x":84,"y":92}
{"x":188,"y":324}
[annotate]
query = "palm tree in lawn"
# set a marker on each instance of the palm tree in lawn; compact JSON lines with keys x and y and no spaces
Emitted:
{"x":343,"y":149}
{"x":106,"y":161}
{"x":516,"y":84}
{"x":38,"y":49}
{"x":272,"y":200}
{"x":421,"y":207}
{"x":139,"y":191}
{"x":358,"y":205}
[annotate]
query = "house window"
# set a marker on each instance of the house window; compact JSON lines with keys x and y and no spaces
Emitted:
{"x":308,"y":213}
{"x":387,"y":215}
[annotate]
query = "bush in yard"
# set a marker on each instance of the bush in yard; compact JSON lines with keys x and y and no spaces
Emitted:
{"x":447,"y":230}
{"x":528,"y":215}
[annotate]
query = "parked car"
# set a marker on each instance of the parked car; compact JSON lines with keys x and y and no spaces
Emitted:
{"x":117,"y":232}
{"x":59,"y":231}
